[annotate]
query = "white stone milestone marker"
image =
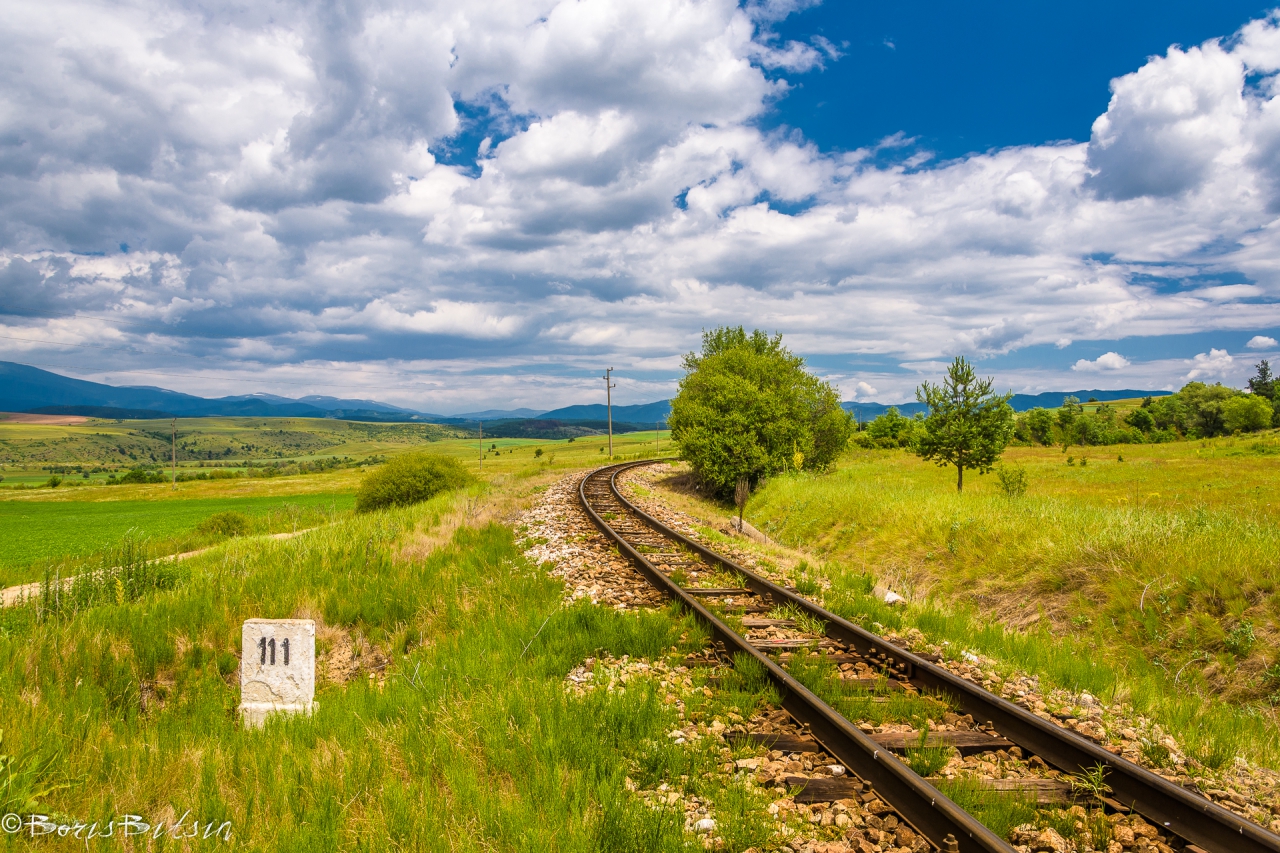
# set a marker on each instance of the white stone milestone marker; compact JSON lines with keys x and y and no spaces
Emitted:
{"x":277,"y":668}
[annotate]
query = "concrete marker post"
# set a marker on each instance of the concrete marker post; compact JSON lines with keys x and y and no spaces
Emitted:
{"x":277,"y":668}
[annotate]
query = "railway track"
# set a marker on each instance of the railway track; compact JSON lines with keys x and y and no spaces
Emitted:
{"x":1202,"y":826}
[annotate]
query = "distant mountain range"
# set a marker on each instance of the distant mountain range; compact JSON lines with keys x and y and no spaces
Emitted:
{"x":29,"y":389}
{"x":1019,"y":402}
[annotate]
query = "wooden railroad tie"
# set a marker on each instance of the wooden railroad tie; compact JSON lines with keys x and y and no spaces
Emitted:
{"x":966,"y":742}
{"x":1044,"y":792}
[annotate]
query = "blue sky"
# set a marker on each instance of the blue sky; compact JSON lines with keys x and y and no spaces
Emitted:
{"x":462,"y":206}
{"x":965,"y":77}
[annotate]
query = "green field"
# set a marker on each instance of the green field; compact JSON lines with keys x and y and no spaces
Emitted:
{"x":455,"y":730}
{"x":463,"y":738}
{"x":35,"y":531}
{"x":1194,"y":525}
{"x":70,"y":521}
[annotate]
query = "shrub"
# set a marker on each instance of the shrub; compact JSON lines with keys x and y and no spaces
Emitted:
{"x":225,"y":524}
{"x":1012,"y":480}
{"x":891,"y":429}
{"x":1246,"y":413}
{"x":410,"y":479}
{"x":142,"y":475}
{"x":1240,"y":639}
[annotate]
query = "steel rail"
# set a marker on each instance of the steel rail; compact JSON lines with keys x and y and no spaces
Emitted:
{"x":924,"y":807}
{"x":1179,"y":811}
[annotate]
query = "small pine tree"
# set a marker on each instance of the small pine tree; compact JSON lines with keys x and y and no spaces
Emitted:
{"x":1264,"y":384}
{"x":968,"y":425}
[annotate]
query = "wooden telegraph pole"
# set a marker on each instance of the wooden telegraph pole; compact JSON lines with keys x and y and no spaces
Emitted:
{"x":175,"y":454}
{"x":481,"y":444}
{"x":608,"y":396}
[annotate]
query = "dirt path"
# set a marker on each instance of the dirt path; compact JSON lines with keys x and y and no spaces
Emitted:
{"x":22,"y":592}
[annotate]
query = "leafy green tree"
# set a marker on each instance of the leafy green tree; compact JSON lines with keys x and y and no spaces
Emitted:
{"x":747,"y":408}
{"x":968,"y":425}
{"x":1205,"y":403}
{"x":1069,"y":415}
{"x":1246,"y":413}
{"x":891,"y":429}
{"x":1171,"y":413}
{"x":1040,"y":425}
{"x":1141,"y":418}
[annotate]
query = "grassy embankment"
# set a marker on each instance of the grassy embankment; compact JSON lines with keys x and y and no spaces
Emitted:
{"x":127,"y":705}
{"x":1151,"y":579}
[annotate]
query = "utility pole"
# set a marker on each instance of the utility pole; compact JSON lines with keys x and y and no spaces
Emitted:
{"x":657,"y":437}
{"x":175,"y":454}
{"x":608,"y":395}
{"x":481,"y":444}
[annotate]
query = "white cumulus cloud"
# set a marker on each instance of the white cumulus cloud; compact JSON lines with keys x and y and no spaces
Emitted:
{"x":1106,"y":361}
{"x":1261,"y":342}
{"x":310,"y":179}
{"x":1214,"y":364}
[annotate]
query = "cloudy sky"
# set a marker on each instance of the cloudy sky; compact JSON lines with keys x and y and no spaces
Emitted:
{"x":455,"y":206}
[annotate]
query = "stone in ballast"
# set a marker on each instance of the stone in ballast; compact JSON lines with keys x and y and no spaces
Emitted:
{"x":277,"y":668}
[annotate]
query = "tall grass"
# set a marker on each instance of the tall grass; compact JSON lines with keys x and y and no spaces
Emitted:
{"x":471,"y":743}
{"x":1169,"y":606}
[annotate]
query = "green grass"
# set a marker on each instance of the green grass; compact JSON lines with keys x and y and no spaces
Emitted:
{"x":1122,"y":575}
{"x":999,"y":811}
{"x":471,"y":743}
{"x":35,"y":531}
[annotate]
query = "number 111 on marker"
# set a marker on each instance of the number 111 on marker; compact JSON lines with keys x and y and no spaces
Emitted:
{"x":266,"y":647}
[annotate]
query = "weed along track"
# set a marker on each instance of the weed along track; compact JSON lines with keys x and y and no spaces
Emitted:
{"x":838,"y":681}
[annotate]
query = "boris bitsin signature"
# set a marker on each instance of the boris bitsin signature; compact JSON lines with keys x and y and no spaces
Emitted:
{"x":124,"y":826}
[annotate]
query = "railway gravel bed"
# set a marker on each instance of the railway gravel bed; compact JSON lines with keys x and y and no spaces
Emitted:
{"x":1246,"y":789}
{"x":816,"y":803}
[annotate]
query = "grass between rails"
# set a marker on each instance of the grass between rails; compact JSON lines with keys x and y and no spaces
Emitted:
{"x":1167,"y":601}
{"x":128,"y":705}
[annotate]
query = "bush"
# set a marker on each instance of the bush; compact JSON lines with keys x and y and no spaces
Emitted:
{"x":1012,"y":480}
{"x":1246,"y":413}
{"x":142,"y":476}
{"x":891,"y":429}
{"x":410,"y":479}
{"x":225,"y":524}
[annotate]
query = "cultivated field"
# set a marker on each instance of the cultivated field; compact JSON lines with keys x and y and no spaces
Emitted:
{"x":47,"y":529}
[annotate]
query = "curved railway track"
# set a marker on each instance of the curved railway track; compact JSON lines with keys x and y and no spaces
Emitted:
{"x":1203,"y":825}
